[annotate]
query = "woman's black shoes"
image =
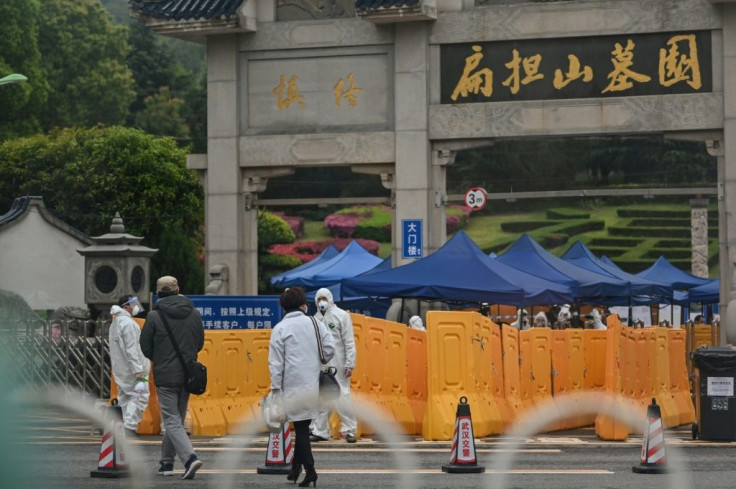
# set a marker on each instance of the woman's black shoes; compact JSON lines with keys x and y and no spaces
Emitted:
{"x":295,"y":471}
{"x":309,"y":478}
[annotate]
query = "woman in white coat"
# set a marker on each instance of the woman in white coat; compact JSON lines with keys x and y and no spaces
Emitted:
{"x":294,"y":364}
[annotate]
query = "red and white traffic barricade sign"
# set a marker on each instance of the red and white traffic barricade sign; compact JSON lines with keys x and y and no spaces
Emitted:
{"x":462,"y":455}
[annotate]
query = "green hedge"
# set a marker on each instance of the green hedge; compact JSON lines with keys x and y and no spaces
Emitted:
{"x":652,"y":213}
{"x":498,"y":248}
{"x":637,"y":265}
{"x":608,"y":251}
{"x":525,"y":226}
{"x":572,"y":228}
{"x":669,"y":253}
{"x":660,"y":223}
{"x":649,"y":232}
{"x":552,"y":240}
{"x":567,"y":213}
{"x":673,"y":243}
{"x":611,"y":241}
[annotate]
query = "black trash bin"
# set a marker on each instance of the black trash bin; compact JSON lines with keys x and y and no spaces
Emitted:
{"x":715,"y":404}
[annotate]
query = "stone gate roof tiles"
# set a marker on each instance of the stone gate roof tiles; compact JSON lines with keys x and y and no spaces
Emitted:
{"x":186,"y":9}
{"x":382,"y":4}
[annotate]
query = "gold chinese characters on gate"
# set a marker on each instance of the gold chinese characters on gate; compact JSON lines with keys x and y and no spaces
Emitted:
{"x":288,"y":93}
{"x":677,"y":63}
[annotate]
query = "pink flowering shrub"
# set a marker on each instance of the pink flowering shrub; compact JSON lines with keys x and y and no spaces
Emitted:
{"x":456,"y":218}
{"x":309,"y":250}
{"x":342,"y":225}
{"x":295,"y":223}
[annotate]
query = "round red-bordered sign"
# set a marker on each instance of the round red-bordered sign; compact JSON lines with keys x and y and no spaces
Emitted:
{"x":476,"y":198}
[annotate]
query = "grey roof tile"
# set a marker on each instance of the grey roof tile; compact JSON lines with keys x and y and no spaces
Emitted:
{"x":382,"y":4}
{"x":186,"y":9}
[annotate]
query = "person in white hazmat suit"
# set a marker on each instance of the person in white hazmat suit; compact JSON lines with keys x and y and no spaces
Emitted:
{"x":338,"y":322}
{"x":129,"y":367}
{"x":594,"y":320}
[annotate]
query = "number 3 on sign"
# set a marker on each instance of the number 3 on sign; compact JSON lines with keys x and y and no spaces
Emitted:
{"x":476,"y":198}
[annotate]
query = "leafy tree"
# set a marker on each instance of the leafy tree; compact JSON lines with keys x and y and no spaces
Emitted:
{"x":84,"y":59}
{"x":161,"y":115}
{"x":21,"y":103}
{"x":272,"y":230}
{"x":86,"y":175}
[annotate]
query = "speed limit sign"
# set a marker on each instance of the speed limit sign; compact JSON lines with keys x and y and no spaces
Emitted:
{"x":476,"y":198}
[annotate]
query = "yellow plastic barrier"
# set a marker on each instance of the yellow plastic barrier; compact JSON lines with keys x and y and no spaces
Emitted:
{"x":540,"y":378}
{"x":377,"y":375}
{"x":245,"y":376}
{"x":594,"y":377}
{"x":206,"y":410}
{"x":608,"y":428}
{"x":561,"y":381}
{"x":498,"y":387}
{"x":416,"y":377}
{"x":359,"y":379}
{"x":511,"y":369}
{"x":661,"y":359}
{"x":151,"y":421}
{"x":482,"y":375}
{"x":452,"y":360}
{"x":396,"y":385}
{"x":630,"y":370}
{"x":536,"y":367}
{"x":568,"y":370}
{"x":644,"y":378}
{"x":680,"y":387}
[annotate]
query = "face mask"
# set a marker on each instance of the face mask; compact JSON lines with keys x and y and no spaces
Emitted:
{"x":323,"y":305}
{"x":136,"y":310}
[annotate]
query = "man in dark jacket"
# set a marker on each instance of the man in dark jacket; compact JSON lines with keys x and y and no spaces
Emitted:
{"x":169,"y":376}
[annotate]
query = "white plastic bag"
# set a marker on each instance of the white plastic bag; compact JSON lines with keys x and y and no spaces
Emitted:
{"x":140,"y":389}
{"x":273,"y":412}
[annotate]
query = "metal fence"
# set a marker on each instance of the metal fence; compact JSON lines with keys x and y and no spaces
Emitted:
{"x":74,"y":354}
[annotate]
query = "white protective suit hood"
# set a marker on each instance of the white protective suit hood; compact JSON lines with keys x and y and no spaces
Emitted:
{"x":115,"y":310}
{"x":324,"y":292}
{"x":540,"y":320}
{"x":416,"y":323}
{"x":597,"y":323}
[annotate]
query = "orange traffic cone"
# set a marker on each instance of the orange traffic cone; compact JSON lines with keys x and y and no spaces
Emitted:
{"x":653,"y":459}
{"x":279,"y":452}
{"x":112,"y":463}
{"x":462,"y":456}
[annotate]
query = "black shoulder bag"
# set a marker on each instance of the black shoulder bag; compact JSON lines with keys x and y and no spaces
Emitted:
{"x":329,"y":389}
{"x":196,"y":373}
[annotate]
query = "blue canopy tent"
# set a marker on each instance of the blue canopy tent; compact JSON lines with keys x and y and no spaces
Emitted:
{"x":678,"y":297}
{"x":351,"y":261}
{"x":327,"y":253}
{"x":529,"y":256}
{"x":707,"y":293}
{"x":458,"y":271}
{"x":665,"y":272}
{"x":579,"y":254}
{"x":357,"y":302}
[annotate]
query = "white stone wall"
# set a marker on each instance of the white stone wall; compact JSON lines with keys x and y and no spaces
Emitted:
{"x":40,"y":262}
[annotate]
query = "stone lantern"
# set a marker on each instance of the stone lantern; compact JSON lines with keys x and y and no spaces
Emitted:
{"x":115,"y":265}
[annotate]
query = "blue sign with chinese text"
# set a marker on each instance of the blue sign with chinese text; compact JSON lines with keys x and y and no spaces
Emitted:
{"x":411,"y":242}
{"x":238,"y":311}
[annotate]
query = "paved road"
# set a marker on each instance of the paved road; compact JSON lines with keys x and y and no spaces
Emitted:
{"x":58,"y":450}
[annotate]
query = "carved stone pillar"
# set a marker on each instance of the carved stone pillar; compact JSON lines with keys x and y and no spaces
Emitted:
{"x":699,"y":237}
